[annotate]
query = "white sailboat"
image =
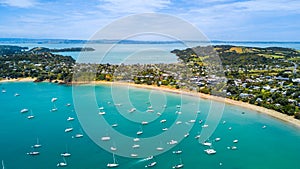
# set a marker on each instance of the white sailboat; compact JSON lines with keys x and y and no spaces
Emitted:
{"x":70,"y":118}
{"x":136,"y":139}
{"x":54,"y":108}
{"x":113,"y":148}
{"x":136,"y":146}
{"x":132,"y":110}
{"x":151,"y":164}
{"x":37,"y":145}
{"x":139,"y":132}
{"x":62,"y":164}
{"x":133,"y":155}
{"x":114,"y":164}
{"x":3,"y":165}
{"x":115,"y":125}
{"x":78,"y":135}
{"x":197,"y":136}
{"x":186,"y":135}
{"x":66,"y":153}
{"x":31,"y":116}
{"x":144,"y":123}
{"x":210,"y":151}
{"x":149,"y":158}
{"x":53,"y":99}
{"x":205,"y":126}
{"x":172,"y":142}
{"x":24,"y":110}
{"x":192,"y":121}
{"x":180,"y":165}
{"x":177,"y":152}
{"x":159,"y":148}
{"x":178,"y":122}
{"x":149,"y":110}
{"x":105,"y":138}
{"x":33,"y":153}
{"x":209,"y":144}
{"x":163,"y":121}
{"x":102,"y":113}
{"x":69,"y":129}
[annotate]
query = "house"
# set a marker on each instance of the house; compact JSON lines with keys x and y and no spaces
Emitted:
{"x":282,"y":78}
{"x":259,"y":100}
{"x":273,"y":90}
{"x":297,"y":80}
{"x":267,"y":87}
{"x":244,"y":95}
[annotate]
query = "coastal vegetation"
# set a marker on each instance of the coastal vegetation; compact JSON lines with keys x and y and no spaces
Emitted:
{"x":18,"y":62}
{"x":266,"y":77}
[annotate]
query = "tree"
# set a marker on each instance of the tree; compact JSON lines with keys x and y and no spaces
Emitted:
{"x":297,"y":115}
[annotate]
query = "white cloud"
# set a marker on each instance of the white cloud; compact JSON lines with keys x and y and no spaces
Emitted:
{"x":252,"y":6}
{"x":150,"y":26}
{"x":218,"y":19}
{"x":133,"y":6}
{"x":19,"y":3}
{"x":244,"y":19}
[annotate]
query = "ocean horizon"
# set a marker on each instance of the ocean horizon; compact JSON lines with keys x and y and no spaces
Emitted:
{"x":132,"y":52}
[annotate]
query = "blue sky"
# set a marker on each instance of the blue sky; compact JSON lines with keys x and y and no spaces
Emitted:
{"x":248,"y":20}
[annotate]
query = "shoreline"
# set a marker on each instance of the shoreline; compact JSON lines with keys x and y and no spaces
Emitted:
{"x":27,"y":79}
{"x":263,"y":110}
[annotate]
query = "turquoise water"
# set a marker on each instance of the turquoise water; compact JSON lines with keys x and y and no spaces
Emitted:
{"x":276,"y":146}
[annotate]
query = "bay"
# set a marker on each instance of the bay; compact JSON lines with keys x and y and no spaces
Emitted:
{"x":276,"y":146}
{"x":140,"y":53}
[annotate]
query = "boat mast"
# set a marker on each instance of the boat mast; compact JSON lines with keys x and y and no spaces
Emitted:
{"x":114,"y":158}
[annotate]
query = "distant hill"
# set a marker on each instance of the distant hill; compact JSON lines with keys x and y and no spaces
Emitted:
{"x":7,"y":49}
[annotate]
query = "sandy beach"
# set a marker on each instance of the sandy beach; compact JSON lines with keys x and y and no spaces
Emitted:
{"x":28,"y":79}
{"x":272,"y":113}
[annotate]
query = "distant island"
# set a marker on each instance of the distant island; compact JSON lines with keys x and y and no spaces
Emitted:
{"x":122,"y":41}
{"x":266,"y":77}
{"x":74,"y":49}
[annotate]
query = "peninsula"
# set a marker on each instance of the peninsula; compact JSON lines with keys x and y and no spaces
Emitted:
{"x":265,"y":77}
